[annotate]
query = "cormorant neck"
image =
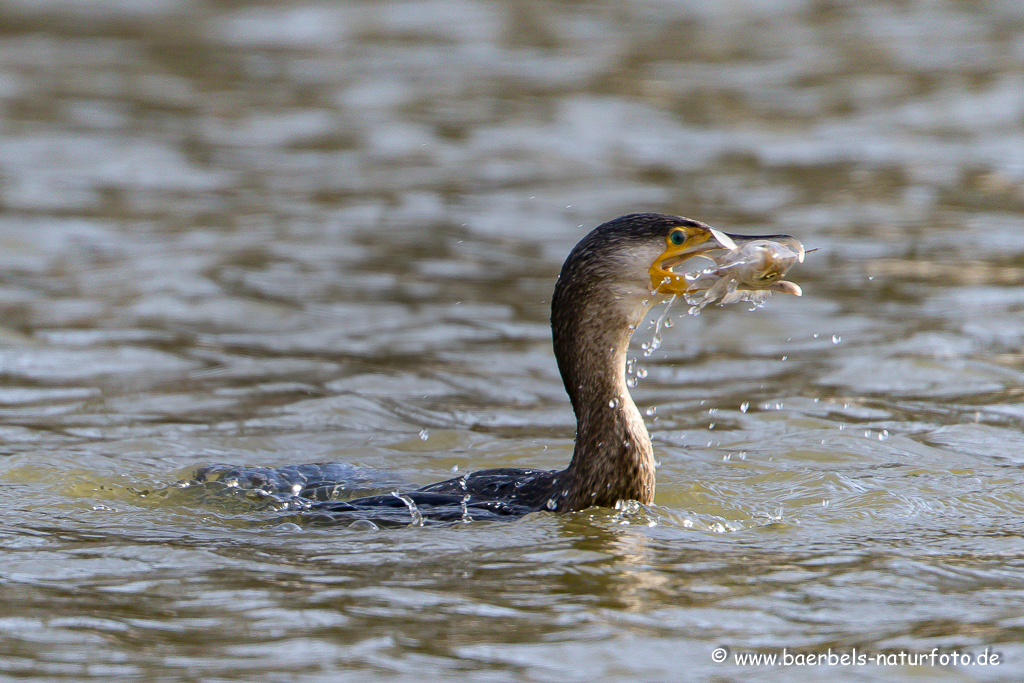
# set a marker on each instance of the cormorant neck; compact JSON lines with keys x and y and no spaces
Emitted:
{"x":591,"y":327}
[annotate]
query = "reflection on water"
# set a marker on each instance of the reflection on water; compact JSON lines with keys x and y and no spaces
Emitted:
{"x":312,"y":232}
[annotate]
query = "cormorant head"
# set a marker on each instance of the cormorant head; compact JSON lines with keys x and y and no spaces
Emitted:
{"x":685,"y":238}
{"x":636,"y":257}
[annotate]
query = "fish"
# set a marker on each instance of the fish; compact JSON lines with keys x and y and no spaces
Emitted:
{"x":751,"y":272}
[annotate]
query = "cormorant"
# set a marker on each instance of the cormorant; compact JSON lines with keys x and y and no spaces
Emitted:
{"x":606,"y":286}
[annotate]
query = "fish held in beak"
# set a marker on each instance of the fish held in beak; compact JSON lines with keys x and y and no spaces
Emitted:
{"x":748,"y":269}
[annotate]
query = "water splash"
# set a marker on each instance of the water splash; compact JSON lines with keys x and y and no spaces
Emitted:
{"x":414,"y":512}
{"x":655,"y":343}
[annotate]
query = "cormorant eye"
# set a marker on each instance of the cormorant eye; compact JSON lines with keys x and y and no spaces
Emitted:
{"x":677,"y":236}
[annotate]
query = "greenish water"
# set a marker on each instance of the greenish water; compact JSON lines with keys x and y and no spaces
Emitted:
{"x":295,"y":232}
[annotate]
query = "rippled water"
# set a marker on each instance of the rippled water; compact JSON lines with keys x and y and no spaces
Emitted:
{"x":299,"y":232}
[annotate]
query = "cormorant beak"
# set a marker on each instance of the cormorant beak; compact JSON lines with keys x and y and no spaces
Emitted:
{"x":705,"y":241}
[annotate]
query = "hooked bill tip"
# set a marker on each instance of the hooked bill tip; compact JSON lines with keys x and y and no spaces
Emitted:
{"x":723,"y":239}
{"x":787,"y":287}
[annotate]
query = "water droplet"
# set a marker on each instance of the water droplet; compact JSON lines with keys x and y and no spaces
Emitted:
{"x":363,"y":525}
{"x":651,"y":411}
{"x":641,"y":373}
{"x":836,"y":339}
{"x":614,"y":403}
{"x":669,"y":324}
{"x":653,"y":346}
{"x":552,"y":504}
{"x":785,"y":358}
{"x":424,"y":435}
{"x":815,"y":335}
{"x":631,"y":382}
{"x":745,"y":406}
{"x":711,"y":426}
{"x":455,"y":468}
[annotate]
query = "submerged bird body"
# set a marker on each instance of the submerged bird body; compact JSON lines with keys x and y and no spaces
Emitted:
{"x":608,"y":283}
